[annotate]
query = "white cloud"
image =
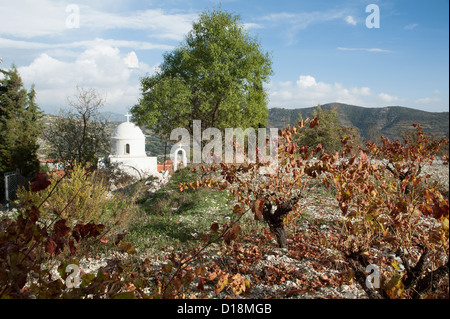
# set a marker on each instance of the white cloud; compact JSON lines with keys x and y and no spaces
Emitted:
{"x":350,"y":20}
{"x":387,"y":98}
{"x":102,"y":67}
{"x":428,"y":100}
{"x":30,"y":45}
{"x":137,"y":45}
{"x":306,"y":81}
{"x":131,"y":60}
{"x":410,"y":26}
{"x":28,"y":19}
{"x":364,"y":49}
{"x":307,"y":91}
{"x":155,"y":21}
{"x":251,"y":25}
{"x":364,"y":91}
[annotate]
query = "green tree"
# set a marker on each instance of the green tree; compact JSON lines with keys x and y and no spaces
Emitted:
{"x":328,"y":133}
{"x":78,"y":135}
{"x":215,"y":76}
{"x":20,"y":125}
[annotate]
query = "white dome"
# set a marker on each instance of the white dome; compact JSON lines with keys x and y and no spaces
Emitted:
{"x":128,"y":150}
{"x":128,"y":141}
{"x":128,"y":131}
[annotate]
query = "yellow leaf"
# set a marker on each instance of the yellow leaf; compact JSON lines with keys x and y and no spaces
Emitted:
{"x":394,"y":288}
{"x":395,"y":264}
{"x":445,"y":225}
{"x":126,"y":247}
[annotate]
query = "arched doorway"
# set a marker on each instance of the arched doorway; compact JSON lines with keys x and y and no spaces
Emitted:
{"x":175,"y":158}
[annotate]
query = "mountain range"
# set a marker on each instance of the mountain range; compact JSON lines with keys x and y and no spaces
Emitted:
{"x":372,"y":122}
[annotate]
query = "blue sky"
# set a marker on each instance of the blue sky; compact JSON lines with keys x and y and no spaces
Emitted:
{"x":322,"y":51}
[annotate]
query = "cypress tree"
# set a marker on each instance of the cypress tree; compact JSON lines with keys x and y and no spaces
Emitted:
{"x":20,"y":126}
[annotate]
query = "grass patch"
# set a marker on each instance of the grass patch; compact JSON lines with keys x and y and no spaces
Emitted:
{"x":171,"y":218}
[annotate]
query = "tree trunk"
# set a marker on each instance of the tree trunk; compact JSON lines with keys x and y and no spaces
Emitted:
{"x":280,"y":234}
{"x":275,"y":219}
{"x":359,"y":264}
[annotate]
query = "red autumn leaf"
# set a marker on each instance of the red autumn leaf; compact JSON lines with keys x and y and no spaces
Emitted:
{"x":343,"y":206}
{"x":257,"y":207}
{"x":39,"y":182}
{"x":211,"y":276}
{"x":89,"y":230}
{"x":51,"y":246}
{"x":314,"y":123}
{"x":96,"y":229}
{"x":440,"y":209}
{"x":319,"y":148}
{"x":293,"y":148}
{"x":238,"y":210}
{"x":201,"y":285}
{"x":33,"y":214}
{"x":344,"y":140}
{"x":214,"y":228}
{"x":60,"y":228}
{"x":205,"y":238}
{"x":72,"y":247}
{"x":232,"y":233}
{"x":351,"y":214}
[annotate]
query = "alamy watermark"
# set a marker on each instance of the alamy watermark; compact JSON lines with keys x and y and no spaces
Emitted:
{"x":73,"y":279}
{"x":373,"y":279}
{"x":73,"y":19}
{"x":262,"y":147}
{"x":373,"y":19}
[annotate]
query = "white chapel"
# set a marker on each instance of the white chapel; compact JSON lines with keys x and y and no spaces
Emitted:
{"x":128,"y":150}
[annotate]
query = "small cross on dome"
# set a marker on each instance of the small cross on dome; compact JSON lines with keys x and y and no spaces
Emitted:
{"x":128,"y":117}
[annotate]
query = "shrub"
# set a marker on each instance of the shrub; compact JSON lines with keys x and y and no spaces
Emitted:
{"x":328,"y":133}
{"x":79,"y":197}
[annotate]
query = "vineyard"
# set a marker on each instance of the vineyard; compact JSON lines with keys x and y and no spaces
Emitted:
{"x":366,"y":222}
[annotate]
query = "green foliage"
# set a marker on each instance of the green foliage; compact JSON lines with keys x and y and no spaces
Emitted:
{"x":215,"y":76}
{"x":328,"y":133}
{"x":79,"y":198}
{"x":20,"y":125}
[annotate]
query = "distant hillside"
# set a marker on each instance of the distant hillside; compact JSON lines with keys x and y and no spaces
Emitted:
{"x":371,"y":122}
{"x":112,"y":117}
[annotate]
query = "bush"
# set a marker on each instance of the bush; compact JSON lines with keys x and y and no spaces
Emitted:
{"x":79,"y":197}
{"x":328,"y":133}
